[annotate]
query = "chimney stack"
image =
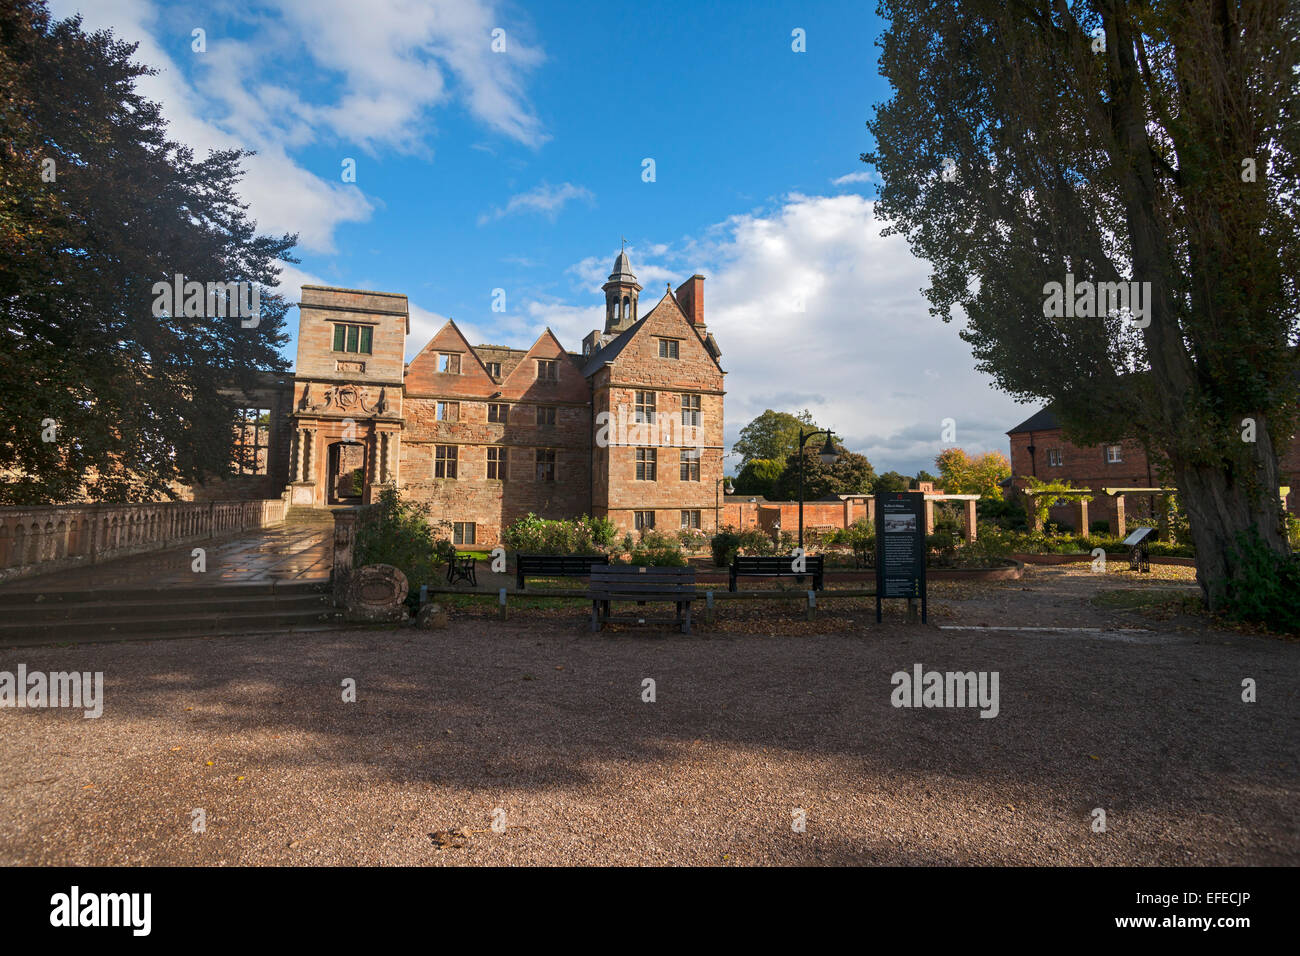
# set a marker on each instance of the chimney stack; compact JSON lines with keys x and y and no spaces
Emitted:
{"x":690,"y":296}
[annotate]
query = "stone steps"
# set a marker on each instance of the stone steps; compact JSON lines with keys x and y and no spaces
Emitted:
{"x":111,"y":614}
{"x":298,"y":515}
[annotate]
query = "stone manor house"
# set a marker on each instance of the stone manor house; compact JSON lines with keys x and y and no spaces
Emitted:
{"x":630,"y":428}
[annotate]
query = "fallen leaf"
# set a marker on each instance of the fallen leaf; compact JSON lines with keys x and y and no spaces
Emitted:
{"x":87,"y":786}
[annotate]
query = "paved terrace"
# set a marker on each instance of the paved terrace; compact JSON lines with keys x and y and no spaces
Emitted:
{"x":289,"y":553}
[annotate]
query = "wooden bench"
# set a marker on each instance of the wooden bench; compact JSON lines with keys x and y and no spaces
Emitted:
{"x":555,"y":566}
{"x":630,"y":583}
{"x":779,"y":566}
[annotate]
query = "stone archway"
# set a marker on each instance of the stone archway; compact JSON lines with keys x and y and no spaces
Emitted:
{"x":346,"y":473}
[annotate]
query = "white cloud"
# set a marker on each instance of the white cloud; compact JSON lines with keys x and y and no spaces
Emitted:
{"x":813,"y":307}
{"x":379,"y":68}
{"x":859,"y":177}
{"x":545,"y":199}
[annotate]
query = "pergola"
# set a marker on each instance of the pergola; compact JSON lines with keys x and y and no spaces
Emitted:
{"x":968,"y":517}
{"x":1121,"y":525}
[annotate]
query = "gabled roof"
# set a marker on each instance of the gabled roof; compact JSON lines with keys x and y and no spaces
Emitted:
{"x":616,"y":345}
{"x":429,"y":346}
{"x":1042,"y":420}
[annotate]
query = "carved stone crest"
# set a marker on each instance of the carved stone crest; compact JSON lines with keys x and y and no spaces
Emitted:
{"x":376,"y":595}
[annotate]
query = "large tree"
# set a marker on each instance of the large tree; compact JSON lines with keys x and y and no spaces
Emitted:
{"x":97,"y":205}
{"x":850,"y":474}
{"x":758,"y":477}
{"x":1154,"y":142}
{"x":961,"y":474}
{"x":774,"y":435}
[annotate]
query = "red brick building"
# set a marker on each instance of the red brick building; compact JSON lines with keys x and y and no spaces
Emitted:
{"x":629,"y":429}
{"x":1039,"y":449}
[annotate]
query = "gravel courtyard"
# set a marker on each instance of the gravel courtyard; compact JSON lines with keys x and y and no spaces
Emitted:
{"x":545,"y":721}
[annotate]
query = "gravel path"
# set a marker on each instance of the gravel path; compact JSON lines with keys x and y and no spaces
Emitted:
{"x":547,"y":722}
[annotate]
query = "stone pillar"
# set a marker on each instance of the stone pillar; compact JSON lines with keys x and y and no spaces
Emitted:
{"x":1083,"y":517}
{"x":970,"y":520}
{"x":1120,"y":528}
{"x":1035,"y":523}
{"x":345,"y":536}
{"x":929,"y":516}
{"x":871,"y":511}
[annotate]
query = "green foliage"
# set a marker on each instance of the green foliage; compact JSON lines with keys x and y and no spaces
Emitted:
{"x":758,"y":477}
{"x":692,"y":539}
{"x":858,"y":535}
{"x":960,"y":474}
{"x":1100,"y":526}
{"x":137,"y":398}
{"x":723,"y":546}
{"x":851,"y":474}
{"x":1267,"y":588}
{"x":1001,"y":541}
{"x":729,"y":542}
{"x":773,"y":435}
{"x":1047,"y":493}
{"x":658,"y":549}
{"x":1008,"y":514}
{"x":891,"y":481}
{"x":396,"y":530}
{"x":533,"y":535}
{"x":603,"y":531}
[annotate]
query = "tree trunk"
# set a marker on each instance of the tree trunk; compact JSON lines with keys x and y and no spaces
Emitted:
{"x":1222,"y":504}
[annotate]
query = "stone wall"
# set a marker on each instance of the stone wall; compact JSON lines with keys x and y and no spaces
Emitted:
{"x":36,"y":540}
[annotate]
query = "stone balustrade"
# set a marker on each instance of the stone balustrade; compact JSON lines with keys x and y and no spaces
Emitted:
{"x":40,"y":538}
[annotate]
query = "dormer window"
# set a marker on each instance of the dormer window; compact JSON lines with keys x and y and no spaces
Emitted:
{"x":494,"y":369}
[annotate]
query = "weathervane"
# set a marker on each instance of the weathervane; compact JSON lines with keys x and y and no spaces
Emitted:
{"x":624,"y":247}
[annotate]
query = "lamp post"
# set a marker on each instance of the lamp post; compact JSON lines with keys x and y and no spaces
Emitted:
{"x":828,"y":455}
{"x":717,"y":502}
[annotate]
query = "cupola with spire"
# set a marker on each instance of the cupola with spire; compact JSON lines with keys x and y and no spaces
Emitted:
{"x":621,"y":295}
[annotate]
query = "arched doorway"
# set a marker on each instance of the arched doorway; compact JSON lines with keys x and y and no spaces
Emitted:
{"x":347,"y":473}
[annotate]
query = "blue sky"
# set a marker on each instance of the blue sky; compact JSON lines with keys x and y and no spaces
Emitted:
{"x":479,"y":169}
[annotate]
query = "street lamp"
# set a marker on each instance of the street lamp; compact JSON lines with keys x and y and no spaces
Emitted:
{"x":717,"y":502}
{"x":828,"y":455}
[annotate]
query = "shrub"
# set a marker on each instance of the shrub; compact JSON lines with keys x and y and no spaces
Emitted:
{"x":1101,"y":526}
{"x":397,"y":531}
{"x":1266,"y":591}
{"x":603,"y":531}
{"x":692,"y":539}
{"x":534,"y":535}
{"x":724,"y":546}
{"x":658,"y":549}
